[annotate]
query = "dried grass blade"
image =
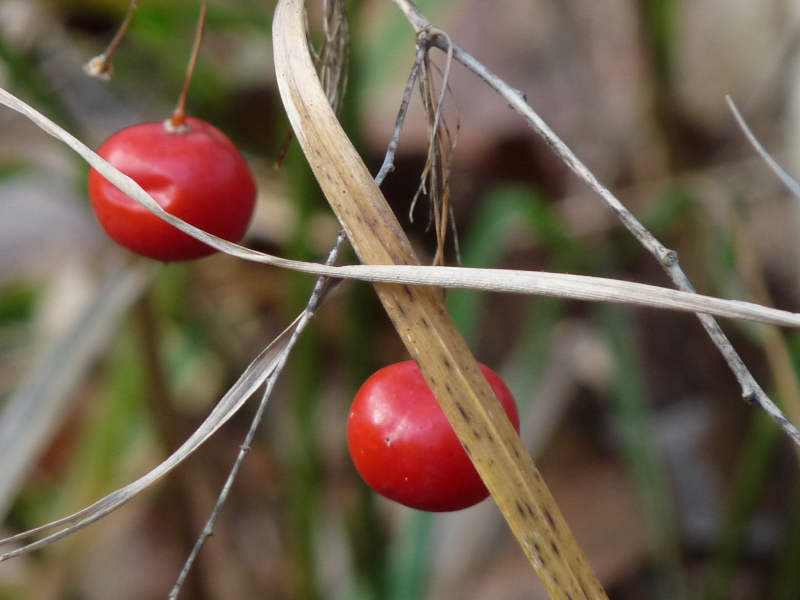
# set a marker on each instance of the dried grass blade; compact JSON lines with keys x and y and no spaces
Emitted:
{"x":494,"y":280}
{"x":250,"y":380}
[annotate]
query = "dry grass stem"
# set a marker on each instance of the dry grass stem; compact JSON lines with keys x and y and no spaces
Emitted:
{"x":435,"y":177}
{"x":576,"y":287}
{"x":331,"y":60}
{"x":789,"y":181}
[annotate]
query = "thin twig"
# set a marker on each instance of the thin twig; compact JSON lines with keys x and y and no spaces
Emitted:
{"x":668,"y":259}
{"x":430,"y":156}
{"x":391,"y":150}
{"x":789,"y":181}
{"x":775,"y":346}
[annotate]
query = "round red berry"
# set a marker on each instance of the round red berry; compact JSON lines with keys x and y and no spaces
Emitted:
{"x":405,"y":449}
{"x":195,"y":173}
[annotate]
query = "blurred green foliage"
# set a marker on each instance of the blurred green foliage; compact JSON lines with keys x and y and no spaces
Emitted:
{"x":17,"y":301}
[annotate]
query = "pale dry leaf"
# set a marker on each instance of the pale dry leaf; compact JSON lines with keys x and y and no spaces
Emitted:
{"x":577,"y":287}
{"x":249,"y":381}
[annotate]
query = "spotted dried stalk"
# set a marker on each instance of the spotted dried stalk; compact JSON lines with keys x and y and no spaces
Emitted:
{"x":421,"y":320}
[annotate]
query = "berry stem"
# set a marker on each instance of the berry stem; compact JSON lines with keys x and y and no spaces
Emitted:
{"x":100,"y":65}
{"x":178,"y":118}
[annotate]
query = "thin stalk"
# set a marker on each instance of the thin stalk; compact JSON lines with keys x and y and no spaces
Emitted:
{"x":100,"y":66}
{"x":178,"y":119}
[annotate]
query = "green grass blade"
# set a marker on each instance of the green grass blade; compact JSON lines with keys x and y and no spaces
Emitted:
{"x":752,"y":470}
{"x":506,"y":211}
{"x":411,"y":561}
{"x":631,"y":415}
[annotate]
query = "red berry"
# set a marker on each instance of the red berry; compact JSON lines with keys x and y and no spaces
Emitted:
{"x":197,"y":175}
{"x":405,"y":449}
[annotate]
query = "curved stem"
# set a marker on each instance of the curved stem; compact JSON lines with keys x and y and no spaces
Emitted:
{"x":100,"y":65}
